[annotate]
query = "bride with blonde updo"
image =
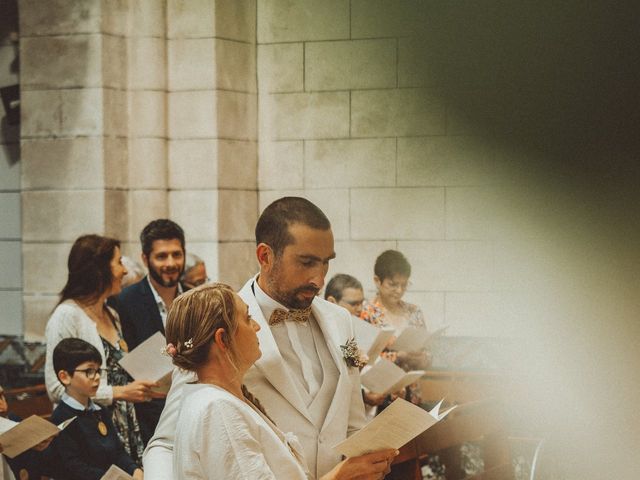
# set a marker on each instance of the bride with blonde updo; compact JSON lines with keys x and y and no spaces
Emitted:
{"x":222,"y":431}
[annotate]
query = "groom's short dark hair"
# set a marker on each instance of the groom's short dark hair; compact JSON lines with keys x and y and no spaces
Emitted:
{"x":273,"y":225}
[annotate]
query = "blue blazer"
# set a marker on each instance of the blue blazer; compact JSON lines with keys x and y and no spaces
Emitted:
{"x":138,"y":311}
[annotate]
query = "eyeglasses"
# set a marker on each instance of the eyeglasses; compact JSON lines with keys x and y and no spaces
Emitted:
{"x":92,"y":372}
{"x":353,"y":303}
{"x":197,"y":283}
{"x":397,"y":285}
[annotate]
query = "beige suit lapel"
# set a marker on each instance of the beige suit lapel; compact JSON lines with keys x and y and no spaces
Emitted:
{"x":332,"y":332}
{"x":271,"y":364}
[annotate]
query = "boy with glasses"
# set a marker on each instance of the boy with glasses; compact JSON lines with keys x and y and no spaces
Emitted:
{"x":89,"y":445}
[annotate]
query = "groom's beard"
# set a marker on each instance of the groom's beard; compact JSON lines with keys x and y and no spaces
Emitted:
{"x":289,"y":298}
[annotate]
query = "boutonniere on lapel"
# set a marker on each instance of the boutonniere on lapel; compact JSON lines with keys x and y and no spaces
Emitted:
{"x":353,"y":356}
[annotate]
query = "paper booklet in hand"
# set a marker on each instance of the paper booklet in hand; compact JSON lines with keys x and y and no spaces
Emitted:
{"x":413,"y":339}
{"x":386,"y":377}
{"x":18,"y":437}
{"x":371,"y":339}
{"x":398,"y":424}
{"x":116,"y":473}
{"x":147,"y":362}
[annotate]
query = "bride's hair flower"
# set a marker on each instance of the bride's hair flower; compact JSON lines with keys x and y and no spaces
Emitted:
{"x":170,"y":350}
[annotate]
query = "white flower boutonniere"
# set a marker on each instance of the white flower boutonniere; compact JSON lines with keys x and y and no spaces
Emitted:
{"x":353,"y":355}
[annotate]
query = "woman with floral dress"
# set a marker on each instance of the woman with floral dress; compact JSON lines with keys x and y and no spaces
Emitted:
{"x":387,"y":309}
{"x":95,"y":272}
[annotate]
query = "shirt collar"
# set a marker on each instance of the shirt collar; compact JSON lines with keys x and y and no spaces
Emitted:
{"x":76,"y":405}
{"x":265,"y":302}
{"x":156,"y":295}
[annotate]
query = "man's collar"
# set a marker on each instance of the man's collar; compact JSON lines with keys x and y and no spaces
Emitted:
{"x":155,"y":293}
{"x":76,"y":405}
{"x":265,"y":302}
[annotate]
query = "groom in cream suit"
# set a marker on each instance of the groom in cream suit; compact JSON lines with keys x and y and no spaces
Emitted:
{"x":302,"y":379}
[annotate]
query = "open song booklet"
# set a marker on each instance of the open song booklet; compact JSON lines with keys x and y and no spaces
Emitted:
{"x":147,"y":362}
{"x":371,"y":339}
{"x":18,"y":437}
{"x":398,"y":424}
{"x":116,"y":473}
{"x":386,"y":377}
{"x":413,"y":339}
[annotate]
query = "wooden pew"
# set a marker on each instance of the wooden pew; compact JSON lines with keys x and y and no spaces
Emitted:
{"x":28,"y":401}
{"x":460,"y":387}
{"x":475,"y":421}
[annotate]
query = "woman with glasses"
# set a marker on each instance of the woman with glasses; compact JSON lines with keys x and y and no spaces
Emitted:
{"x":387,"y":309}
{"x":95,"y":272}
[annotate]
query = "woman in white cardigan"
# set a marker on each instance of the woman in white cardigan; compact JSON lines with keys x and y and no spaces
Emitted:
{"x":95,"y":272}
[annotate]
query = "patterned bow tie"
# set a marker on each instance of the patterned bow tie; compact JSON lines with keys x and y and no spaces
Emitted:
{"x":279,"y":315}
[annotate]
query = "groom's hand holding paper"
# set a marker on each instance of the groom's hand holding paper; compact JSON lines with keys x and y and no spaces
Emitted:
{"x":147,"y":362}
{"x":398,"y":424}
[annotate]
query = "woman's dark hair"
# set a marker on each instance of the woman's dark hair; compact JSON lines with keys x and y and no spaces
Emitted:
{"x":390,"y":263}
{"x":89,"y":268}
{"x":71,"y":352}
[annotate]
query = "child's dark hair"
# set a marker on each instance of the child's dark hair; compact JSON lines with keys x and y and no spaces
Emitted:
{"x":71,"y":352}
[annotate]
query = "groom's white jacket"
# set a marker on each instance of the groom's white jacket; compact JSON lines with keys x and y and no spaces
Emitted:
{"x":271,"y":383}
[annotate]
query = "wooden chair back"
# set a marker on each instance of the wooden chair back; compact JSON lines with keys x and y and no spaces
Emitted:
{"x":475,"y":421}
{"x":28,"y":401}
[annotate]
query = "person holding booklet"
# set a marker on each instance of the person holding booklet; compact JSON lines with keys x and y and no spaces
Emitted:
{"x":32,"y":463}
{"x":387,"y":309}
{"x":222,"y":431}
{"x":89,"y":445}
{"x":95,"y":272}
{"x":307,"y":376}
{"x":346,"y":291}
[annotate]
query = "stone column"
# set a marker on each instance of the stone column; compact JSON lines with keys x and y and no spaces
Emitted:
{"x":212,"y":131}
{"x":73,"y":138}
{"x":10,"y":229}
{"x":147,"y":113}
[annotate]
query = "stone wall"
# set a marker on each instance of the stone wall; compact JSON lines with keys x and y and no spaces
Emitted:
{"x":10,"y":222}
{"x":353,"y":117}
{"x":133,"y":111}
{"x":74,"y":131}
{"x":205,"y":111}
{"x":213,"y":131}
